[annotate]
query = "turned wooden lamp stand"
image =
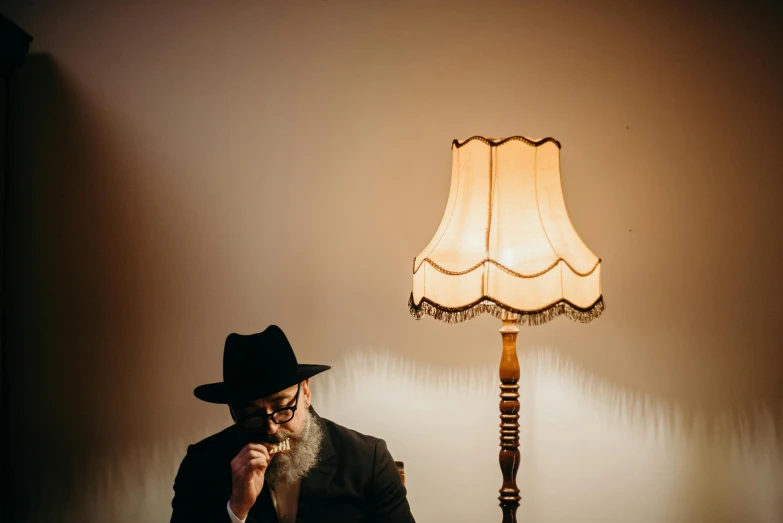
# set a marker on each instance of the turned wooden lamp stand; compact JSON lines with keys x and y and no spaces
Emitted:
{"x":509,"y":422}
{"x":506,"y":247}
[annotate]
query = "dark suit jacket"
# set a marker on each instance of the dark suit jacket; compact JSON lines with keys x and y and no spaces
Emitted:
{"x":355,"y":481}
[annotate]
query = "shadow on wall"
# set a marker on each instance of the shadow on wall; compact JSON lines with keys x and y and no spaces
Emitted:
{"x":613,"y":454}
{"x":76,"y":361}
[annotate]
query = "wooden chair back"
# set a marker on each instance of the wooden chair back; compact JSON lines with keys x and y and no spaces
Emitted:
{"x":401,"y":470}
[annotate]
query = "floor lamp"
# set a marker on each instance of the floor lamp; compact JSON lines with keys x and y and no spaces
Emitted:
{"x":506,"y":246}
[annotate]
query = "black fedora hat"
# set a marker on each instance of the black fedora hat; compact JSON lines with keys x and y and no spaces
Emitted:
{"x":255,"y":366}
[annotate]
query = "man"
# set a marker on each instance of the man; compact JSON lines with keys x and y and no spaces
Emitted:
{"x":280,"y":462}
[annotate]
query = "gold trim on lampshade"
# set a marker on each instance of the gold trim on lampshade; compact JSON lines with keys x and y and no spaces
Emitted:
{"x":506,"y":245}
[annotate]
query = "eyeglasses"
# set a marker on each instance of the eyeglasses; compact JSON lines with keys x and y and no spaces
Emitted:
{"x":278,"y":417}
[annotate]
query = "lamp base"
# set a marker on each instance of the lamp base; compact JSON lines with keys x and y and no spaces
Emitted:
{"x":509,"y":422}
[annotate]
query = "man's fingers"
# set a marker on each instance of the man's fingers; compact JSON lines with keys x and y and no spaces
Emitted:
{"x":253,"y":455}
{"x":258,"y":464}
{"x":259,"y":447}
{"x":247,"y":468}
{"x":250,"y":451}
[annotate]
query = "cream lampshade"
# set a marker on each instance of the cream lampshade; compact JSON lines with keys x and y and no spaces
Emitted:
{"x":506,"y":246}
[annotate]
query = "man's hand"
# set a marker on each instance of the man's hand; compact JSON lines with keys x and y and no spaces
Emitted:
{"x":247,"y":477}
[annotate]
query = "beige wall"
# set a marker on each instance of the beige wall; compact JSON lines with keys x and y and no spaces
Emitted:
{"x":186,"y":170}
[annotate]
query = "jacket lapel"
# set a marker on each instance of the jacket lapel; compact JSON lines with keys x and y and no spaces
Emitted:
{"x":316,"y":484}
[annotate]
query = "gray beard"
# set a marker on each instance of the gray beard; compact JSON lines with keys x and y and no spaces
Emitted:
{"x":293,"y":465}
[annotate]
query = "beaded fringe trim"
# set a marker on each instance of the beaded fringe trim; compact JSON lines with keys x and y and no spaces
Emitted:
{"x":506,"y":313}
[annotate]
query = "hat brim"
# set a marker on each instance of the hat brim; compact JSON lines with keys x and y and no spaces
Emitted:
{"x":225,"y":393}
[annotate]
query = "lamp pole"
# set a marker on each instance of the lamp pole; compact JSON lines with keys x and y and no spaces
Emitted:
{"x":509,"y":422}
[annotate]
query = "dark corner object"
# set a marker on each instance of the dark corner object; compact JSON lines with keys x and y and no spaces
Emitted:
{"x":14,"y":44}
